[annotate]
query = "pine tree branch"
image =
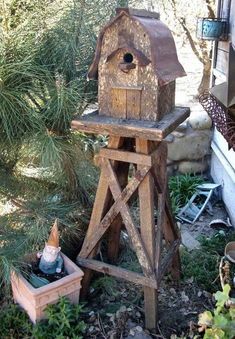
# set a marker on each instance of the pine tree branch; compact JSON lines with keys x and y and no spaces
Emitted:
{"x":34,"y":101}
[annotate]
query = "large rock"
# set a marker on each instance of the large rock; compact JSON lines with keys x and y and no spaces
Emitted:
{"x":194,"y":145}
{"x":189,"y":241}
{"x":192,"y":166}
{"x":200,"y":120}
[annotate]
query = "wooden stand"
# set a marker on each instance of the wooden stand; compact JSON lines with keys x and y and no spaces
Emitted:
{"x":111,"y":212}
{"x":140,"y":143}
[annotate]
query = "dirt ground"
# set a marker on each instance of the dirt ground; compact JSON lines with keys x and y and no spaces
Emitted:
{"x":118,"y":307}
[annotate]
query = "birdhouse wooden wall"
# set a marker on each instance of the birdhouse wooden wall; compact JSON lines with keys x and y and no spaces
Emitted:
{"x":131,"y":83}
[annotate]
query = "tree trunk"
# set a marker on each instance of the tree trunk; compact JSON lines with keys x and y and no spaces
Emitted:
{"x":205,"y":81}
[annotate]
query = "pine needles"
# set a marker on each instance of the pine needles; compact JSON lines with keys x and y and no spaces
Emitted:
{"x":46,"y":48}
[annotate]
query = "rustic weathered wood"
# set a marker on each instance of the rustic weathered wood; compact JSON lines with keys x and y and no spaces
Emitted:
{"x":167,"y":260}
{"x":133,"y":100}
{"x":125,"y":156}
{"x":138,"y":244}
{"x":148,"y":130}
{"x":123,"y":46}
{"x":139,"y":12}
{"x":160,"y":168}
{"x":114,"y":231}
{"x":101,"y":204}
{"x":118,"y":272}
{"x":118,"y":207}
{"x":119,"y":102}
{"x":147,"y":225}
{"x":170,"y":230}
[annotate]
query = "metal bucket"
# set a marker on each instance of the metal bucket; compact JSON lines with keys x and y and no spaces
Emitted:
{"x":230,"y":251}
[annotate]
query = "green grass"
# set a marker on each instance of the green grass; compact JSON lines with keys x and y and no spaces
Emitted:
{"x":203,"y":264}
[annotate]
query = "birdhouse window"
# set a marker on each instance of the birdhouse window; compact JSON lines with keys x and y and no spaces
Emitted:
{"x":128,"y":58}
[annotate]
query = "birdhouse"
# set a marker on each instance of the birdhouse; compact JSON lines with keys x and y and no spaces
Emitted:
{"x":136,"y":65}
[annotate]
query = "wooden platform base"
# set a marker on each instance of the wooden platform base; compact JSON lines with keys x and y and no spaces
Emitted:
{"x":150,"y":130}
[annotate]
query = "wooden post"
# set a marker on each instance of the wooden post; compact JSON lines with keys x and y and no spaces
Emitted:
{"x":147,"y":226}
{"x":101,"y":205}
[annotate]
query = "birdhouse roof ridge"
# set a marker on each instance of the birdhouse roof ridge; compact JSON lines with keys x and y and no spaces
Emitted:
{"x":164,"y":58}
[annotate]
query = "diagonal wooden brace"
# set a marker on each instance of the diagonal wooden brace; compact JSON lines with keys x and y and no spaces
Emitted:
{"x":133,"y":232}
{"x":120,"y":201}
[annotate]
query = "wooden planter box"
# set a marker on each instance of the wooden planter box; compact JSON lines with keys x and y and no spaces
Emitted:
{"x":34,"y":300}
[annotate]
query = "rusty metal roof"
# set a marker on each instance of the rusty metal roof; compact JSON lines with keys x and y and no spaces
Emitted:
{"x":163,"y":51}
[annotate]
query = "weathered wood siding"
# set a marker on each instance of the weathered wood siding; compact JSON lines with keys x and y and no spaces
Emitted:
{"x":135,"y":94}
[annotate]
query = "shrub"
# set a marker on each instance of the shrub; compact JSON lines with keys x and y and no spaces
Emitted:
{"x":221,"y":322}
{"x":182,"y":187}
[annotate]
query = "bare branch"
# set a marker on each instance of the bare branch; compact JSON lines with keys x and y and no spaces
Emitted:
{"x":211,"y":12}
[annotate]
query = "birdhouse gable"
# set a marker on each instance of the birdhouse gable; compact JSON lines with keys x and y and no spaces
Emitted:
{"x":135,"y":56}
{"x":128,"y":53}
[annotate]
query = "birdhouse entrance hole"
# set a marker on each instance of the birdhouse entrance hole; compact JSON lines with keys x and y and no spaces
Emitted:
{"x":128,"y":58}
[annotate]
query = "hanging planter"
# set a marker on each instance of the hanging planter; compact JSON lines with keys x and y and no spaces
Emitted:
{"x":212,"y":29}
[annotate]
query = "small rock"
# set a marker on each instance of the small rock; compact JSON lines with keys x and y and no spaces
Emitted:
{"x":91,"y":329}
{"x":91,"y":313}
{"x":199,"y":294}
{"x":109,"y":314}
{"x":139,"y":329}
{"x":130,"y":324}
{"x":170,"y":138}
{"x":184,"y":297}
{"x":178,"y":134}
{"x":132,"y":332}
{"x":129,"y":309}
{"x":190,"y":280}
{"x":138,"y":314}
{"x":172,"y":291}
{"x":138,"y":335}
{"x":122,"y":309}
{"x":206,"y":294}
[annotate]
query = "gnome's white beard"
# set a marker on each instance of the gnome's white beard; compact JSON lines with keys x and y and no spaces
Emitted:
{"x":50,"y":253}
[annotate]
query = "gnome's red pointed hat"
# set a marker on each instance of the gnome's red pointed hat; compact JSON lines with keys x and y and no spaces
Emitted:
{"x":53,"y":239}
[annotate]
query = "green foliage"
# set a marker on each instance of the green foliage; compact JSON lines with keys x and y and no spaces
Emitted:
{"x":107,"y":285}
{"x":63,"y":321}
{"x":202,"y":264}
{"x":46,"y":48}
{"x":221,"y":322}
{"x":182,"y":187}
{"x":14,"y":323}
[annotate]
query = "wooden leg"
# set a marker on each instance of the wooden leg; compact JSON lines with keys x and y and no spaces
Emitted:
{"x":168,"y":225}
{"x":101,"y":205}
{"x":147,"y":224}
{"x":160,"y":168}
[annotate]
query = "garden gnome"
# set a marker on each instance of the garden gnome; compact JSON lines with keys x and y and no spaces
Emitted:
{"x":51,"y":261}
